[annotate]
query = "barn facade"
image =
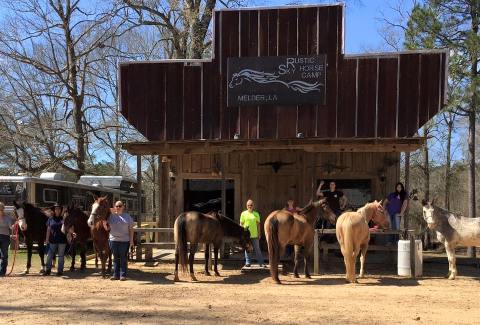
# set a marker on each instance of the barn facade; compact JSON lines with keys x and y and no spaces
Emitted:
{"x":220,"y":147}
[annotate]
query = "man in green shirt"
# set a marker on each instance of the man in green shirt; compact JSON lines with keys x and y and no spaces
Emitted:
{"x":250,"y":219}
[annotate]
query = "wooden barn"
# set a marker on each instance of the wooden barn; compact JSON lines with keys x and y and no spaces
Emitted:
{"x":277,"y":108}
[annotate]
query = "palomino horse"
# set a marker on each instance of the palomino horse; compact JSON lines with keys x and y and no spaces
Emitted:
{"x":452,"y":231}
{"x":33,"y":224}
{"x":353,"y":235}
{"x":100,"y":213}
{"x":78,"y":233}
{"x":283,"y":228}
{"x":196,"y":227}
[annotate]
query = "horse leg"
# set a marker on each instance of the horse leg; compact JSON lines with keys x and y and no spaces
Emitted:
{"x":307,"y":253}
{"x":193,"y":249}
{"x":451,"y":260}
{"x":83,"y":257}
{"x":175,"y":278}
{"x":297,"y":260}
{"x":73,"y":255}
{"x":29,"y":258}
{"x":207,"y":256}
{"x":215,"y":257}
{"x":353,"y":266}
{"x":41,"y":253}
{"x":109,"y":256}
{"x":364,"y":249}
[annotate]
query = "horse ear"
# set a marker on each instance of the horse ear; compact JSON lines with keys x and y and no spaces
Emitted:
{"x":424,"y":202}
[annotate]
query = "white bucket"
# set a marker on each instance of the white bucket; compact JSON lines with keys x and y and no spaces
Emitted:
{"x":404,"y":258}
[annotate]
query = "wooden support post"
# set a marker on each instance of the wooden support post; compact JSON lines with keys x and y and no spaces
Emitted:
{"x":224,"y":194}
{"x":316,"y":253}
{"x":413,"y":253}
{"x":139,"y":204}
{"x":406,"y":219}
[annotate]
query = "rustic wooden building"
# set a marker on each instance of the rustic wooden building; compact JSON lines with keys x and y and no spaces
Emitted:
{"x":370,"y":108}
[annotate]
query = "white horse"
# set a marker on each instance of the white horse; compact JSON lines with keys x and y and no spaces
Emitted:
{"x":452,"y":231}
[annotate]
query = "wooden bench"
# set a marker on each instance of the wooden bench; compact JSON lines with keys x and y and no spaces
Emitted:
{"x":147,"y":247}
{"x":324,"y":247}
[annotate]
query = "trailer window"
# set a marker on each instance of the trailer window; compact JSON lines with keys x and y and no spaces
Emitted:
{"x":50,"y":195}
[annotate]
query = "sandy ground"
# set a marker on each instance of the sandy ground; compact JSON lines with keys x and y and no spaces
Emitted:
{"x":151,"y":297}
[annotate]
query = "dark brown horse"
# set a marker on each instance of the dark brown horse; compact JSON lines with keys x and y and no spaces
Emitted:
{"x":285,"y":228}
{"x":78,"y":233}
{"x":33,"y":224}
{"x":100,"y":213}
{"x":196,"y":227}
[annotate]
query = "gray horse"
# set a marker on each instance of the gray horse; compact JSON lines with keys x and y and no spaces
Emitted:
{"x":452,"y":231}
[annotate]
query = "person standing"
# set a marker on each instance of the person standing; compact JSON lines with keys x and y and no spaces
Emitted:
{"x":6,"y":223}
{"x":120,"y":225}
{"x":336,"y":199}
{"x":250,"y":219}
{"x":56,"y":239}
{"x":396,"y":203}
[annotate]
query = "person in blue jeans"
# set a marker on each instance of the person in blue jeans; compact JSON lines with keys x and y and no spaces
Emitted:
{"x":120,"y":226}
{"x":396,"y":203}
{"x":6,"y":223}
{"x":56,"y":239}
{"x":250,"y":219}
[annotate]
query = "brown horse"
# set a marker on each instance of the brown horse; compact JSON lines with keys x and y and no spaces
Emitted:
{"x":78,"y":233}
{"x":196,"y":227}
{"x":283,"y":228}
{"x":100,"y":213}
{"x":353,"y":235}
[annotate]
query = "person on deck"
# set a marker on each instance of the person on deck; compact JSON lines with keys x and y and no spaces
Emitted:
{"x":250,"y":219}
{"x":336,"y":199}
{"x":6,"y":224}
{"x":56,"y":239}
{"x":396,"y":203}
{"x":120,"y":225}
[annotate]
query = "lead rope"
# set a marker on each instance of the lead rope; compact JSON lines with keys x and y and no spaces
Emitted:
{"x":17,"y":242}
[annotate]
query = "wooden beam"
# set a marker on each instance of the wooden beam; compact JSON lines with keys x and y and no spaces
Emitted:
{"x":309,"y":145}
{"x":139,"y":204}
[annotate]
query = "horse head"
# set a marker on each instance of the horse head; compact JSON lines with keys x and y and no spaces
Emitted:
{"x":19,"y":212}
{"x":379,"y":216}
{"x":428,"y":214}
{"x":100,"y":210}
{"x":325,"y":211}
{"x":236,"y":80}
{"x":246,"y":241}
{"x":68,"y":223}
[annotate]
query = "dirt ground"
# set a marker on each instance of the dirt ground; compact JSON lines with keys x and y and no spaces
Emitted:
{"x":151,"y":297}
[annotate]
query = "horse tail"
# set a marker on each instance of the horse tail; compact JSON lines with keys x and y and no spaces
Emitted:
{"x":273,"y":247}
{"x":180,"y":234}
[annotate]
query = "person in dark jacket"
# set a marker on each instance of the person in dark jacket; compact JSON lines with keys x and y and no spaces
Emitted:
{"x":56,"y":240}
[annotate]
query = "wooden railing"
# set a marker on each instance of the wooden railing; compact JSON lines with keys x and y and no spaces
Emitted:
{"x":319,"y":245}
{"x":147,"y":246}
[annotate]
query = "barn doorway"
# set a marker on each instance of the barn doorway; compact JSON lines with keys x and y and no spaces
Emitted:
{"x":205,"y":195}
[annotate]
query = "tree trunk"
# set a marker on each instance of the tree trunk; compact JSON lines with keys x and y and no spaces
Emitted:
{"x":471,"y":123}
{"x":448,"y":164}
{"x":426,"y":165}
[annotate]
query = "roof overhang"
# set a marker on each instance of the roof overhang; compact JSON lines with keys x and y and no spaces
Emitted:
{"x":308,"y":145}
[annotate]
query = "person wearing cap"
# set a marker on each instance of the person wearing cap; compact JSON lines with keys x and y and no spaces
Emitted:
{"x":120,"y":226}
{"x":56,"y":240}
{"x":6,"y":224}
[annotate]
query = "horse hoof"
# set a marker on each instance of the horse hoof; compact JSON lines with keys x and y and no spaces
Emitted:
{"x":25,"y":272}
{"x":307,"y":276}
{"x":72,"y":269}
{"x":176,"y":279}
{"x":194,"y":279}
{"x":451,"y":277}
{"x":296,"y":276}
{"x":277,"y":281}
{"x":217,"y":274}
{"x":207,"y":273}
{"x":42,"y":271}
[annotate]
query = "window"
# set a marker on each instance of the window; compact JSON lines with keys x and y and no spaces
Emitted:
{"x":50,"y":195}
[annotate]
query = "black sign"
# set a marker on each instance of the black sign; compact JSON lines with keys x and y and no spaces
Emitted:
{"x":276,"y":80}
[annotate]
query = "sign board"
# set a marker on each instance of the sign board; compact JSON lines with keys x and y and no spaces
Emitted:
{"x":276,"y":80}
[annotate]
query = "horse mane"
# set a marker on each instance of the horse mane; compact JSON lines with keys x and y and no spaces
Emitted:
{"x":229,"y":226}
{"x":306,"y":209}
